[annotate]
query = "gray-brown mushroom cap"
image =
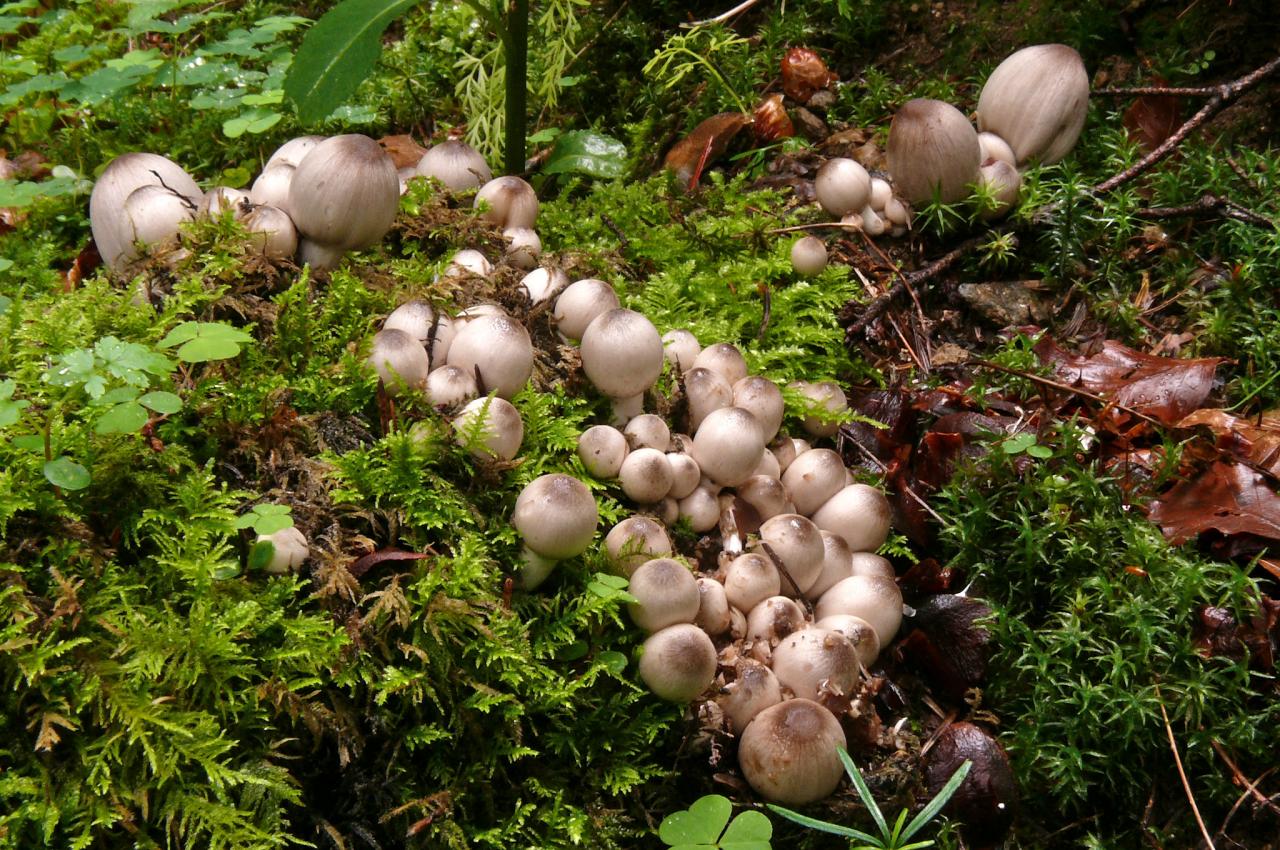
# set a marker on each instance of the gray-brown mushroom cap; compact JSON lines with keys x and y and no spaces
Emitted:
{"x":500,"y":348}
{"x":556,"y":516}
{"x":345,"y":192}
{"x":1037,"y":101}
{"x":679,"y":662}
{"x":788,"y":752}
{"x":933,"y":149}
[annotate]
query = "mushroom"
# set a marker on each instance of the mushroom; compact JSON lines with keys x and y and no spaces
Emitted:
{"x":724,"y":359}
{"x":753,"y":689}
{"x":933,"y":150}
{"x":762,"y":398}
{"x":602,"y":449}
{"x":523,"y":248}
{"x":344,"y":193}
{"x":713,"y":607}
{"x":842,"y":186}
{"x":469,"y":261}
{"x":449,"y":386}
{"x":152,"y":215}
{"x":679,"y":662}
{"x":271,"y":232}
{"x":556,"y":516}
{"x":220,"y":199}
{"x":622,"y":355}
{"x":837,"y":563}
{"x":784,"y":451}
{"x":510,"y":201}
{"x":288,"y":550}
{"x":1037,"y":101}
{"x":680,"y":348}
{"x":769,"y":622}
{"x":455,"y":164}
{"x":292,"y":152}
{"x":767,"y":495}
{"x":272,"y":186}
{"x":541,"y":284}
{"x":666,"y":593}
{"x":749,"y":580}
{"x":859,"y":632}
{"x":112,"y":232}
{"x":685,"y":474}
{"x":995,"y":148}
{"x":788,"y":753}
{"x":881,"y":194}
{"x":827,"y":402}
{"x":646,"y":476}
{"x":580,"y":303}
{"x":876,"y":600}
{"x":796,"y":542}
{"x":490,"y":428}
{"x":498,"y":350}
{"x":813,"y":478}
{"x":432,"y":329}
{"x":648,"y":431}
{"x":768,"y":467}
{"x":816,"y":661}
{"x":808,"y":255}
{"x":727,"y":445}
{"x":701,"y":509}
{"x":705,"y":391}
{"x":1001,"y":183}
{"x":400,"y":361}
{"x":634,"y":541}
{"x":870,"y":564}
{"x":858,"y":513}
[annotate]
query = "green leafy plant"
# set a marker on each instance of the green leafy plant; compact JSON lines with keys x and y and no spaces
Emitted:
{"x":688,"y":53}
{"x":266,"y":519}
{"x":705,"y":825}
{"x":897,"y":837}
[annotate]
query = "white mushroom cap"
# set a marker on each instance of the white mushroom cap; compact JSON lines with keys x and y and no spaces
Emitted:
{"x":881,"y":193}
{"x":825,"y":396}
{"x":768,"y":466}
{"x":770,"y":621}
{"x":541,"y":284}
{"x":579,"y":305}
{"x":859,"y":632}
{"x":749,"y":580}
{"x":1037,"y":100}
{"x":813,"y":478}
{"x":621,"y":353}
{"x":870,"y":564}
{"x":994,"y":147}
{"x":933,"y":149}
{"x":419,"y":320}
{"x":685,"y":474}
{"x":705,"y":391}
{"x":469,"y":261}
{"x":753,"y":689}
{"x":271,"y":232}
{"x":701,"y":509}
{"x":1003,"y":182}
{"x":491,"y":427}
{"x":784,"y":450}
{"x":678,"y":663}
{"x":449,"y":386}
{"x":511,"y":202}
{"x":876,"y":600}
{"x":897,"y":214}
{"x":219,"y":199}
{"x":767,"y":495}
{"x":727,"y":446}
{"x":455,"y":164}
{"x":763,"y":399}
{"x":289,"y":550}
{"x":858,"y":513}
{"x":798,"y":544}
{"x":501,"y":349}
{"x":872,"y":224}
{"x":648,"y":431}
{"x":837,"y":563}
{"x":602,"y":449}
{"x":523,"y":247}
{"x":344,"y":193}
{"x":681,"y":348}
{"x":808,"y":255}
{"x":293,"y":151}
{"x":112,"y":232}
{"x":788,"y":752}
{"x":666,"y":593}
{"x":478,"y":311}
{"x":152,"y":215}
{"x":646,"y":476}
{"x":272,"y":186}
{"x":725,"y":359}
{"x":400,"y":360}
{"x":713,"y":607}
{"x":816,"y":661}
{"x":634,"y":541}
{"x":556,"y":516}
{"x":842,"y":186}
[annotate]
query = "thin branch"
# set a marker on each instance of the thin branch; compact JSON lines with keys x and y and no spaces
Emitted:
{"x":816,"y":226}
{"x":1058,"y":385}
{"x":1182,"y":774}
{"x":1207,"y":206}
{"x":723,"y":16}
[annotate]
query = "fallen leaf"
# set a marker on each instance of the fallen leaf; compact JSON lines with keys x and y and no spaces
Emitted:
{"x":1256,"y":442}
{"x":368,"y":562}
{"x":402,"y":149}
{"x":986,"y":802}
{"x":1227,"y":497}
{"x":1151,"y":119}
{"x":804,"y":73}
{"x":771,"y":121}
{"x":1218,"y":632}
{"x":707,"y":142}
{"x":1164,"y":388}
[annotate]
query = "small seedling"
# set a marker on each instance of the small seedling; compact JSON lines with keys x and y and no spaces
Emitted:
{"x":705,"y":825}
{"x":266,"y":519}
{"x":895,"y":838}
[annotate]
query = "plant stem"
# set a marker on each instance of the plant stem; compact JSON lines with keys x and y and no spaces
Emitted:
{"x":515,"y":41}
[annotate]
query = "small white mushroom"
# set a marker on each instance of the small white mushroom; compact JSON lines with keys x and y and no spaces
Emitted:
{"x":621,"y":353}
{"x":788,"y":752}
{"x":634,"y":541}
{"x":870,"y":564}
{"x":725,"y":359}
{"x":646,"y":476}
{"x":705,"y":392}
{"x":859,"y":632}
{"x":400,"y":361}
{"x":648,"y":431}
{"x":580,"y":303}
{"x":499,"y":349}
{"x":701,"y":509}
{"x":837,"y":563}
{"x":288,"y":550}
{"x":455,"y":164}
{"x":490,"y":427}
{"x":344,"y":193}
{"x":523,"y":247}
{"x":713,"y":607}
{"x":541,"y":284}
{"x":469,"y":261}
{"x":813,"y":478}
{"x":876,"y":600}
{"x":808,"y":255}
{"x":556,"y":516}
{"x":449,"y":386}
{"x":762,"y":398}
{"x":842,"y":186}
{"x":510,"y":202}
{"x":769,"y":622}
{"x":727,"y":445}
{"x":749,"y":580}
{"x":272,"y":186}
{"x":816,"y":661}
{"x":271,"y":232}
{"x":680,"y":348}
{"x":433,"y":329}
{"x":678,"y":663}
{"x":666,"y":593}
{"x":767,"y":495}
{"x":685,"y":474}
{"x":828,"y":401}
{"x":753,"y":689}
{"x":602,"y":449}
{"x":796,"y":542}
{"x":858,"y":513}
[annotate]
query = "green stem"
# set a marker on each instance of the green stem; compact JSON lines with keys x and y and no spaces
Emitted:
{"x":715,"y":72}
{"x":515,"y":41}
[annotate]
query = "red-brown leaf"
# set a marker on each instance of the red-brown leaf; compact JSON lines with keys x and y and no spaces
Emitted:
{"x":1151,"y":119}
{"x":403,"y":150}
{"x":368,"y":562}
{"x":709,"y":140}
{"x":804,"y":73}
{"x":1254,"y":441}
{"x":771,"y":121}
{"x":1164,"y":388}
{"x":1227,"y":497}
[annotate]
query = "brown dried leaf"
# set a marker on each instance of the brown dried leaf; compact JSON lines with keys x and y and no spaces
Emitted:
{"x":1163,"y":388}
{"x":32,"y":166}
{"x":771,"y":121}
{"x":402,"y":149}
{"x":1254,"y":441}
{"x":804,"y":73}
{"x":368,"y":562}
{"x":708,"y":141}
{"x":986,"y":801}
{"x":1151,"y":119}
{"x":1227,"y":497}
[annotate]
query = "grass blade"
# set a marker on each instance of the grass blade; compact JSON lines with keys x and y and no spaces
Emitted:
{"x":863,"y":791}
{"x":823,"y":826}
{"x":930,"y":811}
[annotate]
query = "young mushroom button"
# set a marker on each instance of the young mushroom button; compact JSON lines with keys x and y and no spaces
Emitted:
{"x":556,"y":516}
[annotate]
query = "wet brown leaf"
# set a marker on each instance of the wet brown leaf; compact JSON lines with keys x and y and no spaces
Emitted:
{"x":1217,"y":632}
{"x":1256,"y":441}
{"x":771,"y":121}
{"x":986,"y":800}
{"x":707,"y":142}
{"x":949,"y":643}
{"x":804,"y":73}
{"x":1151,"y":119}
{"x":402,"y":149}
{"x":1229,"y":498}
{"x":1164,"y":388}
{"x":368,"y":562}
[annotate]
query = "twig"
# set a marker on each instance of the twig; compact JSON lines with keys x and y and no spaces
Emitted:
{"x":1239,"y":778}
{"x":1182,"y":774}
{"x":782,"y":568}
{"x":1206,"y":206}
{"x":885,"y":469}
{"x":723,"y":16}
{"x":1222,"y":830}
{"x":816,"y":226}
{"x":1058,"y":385}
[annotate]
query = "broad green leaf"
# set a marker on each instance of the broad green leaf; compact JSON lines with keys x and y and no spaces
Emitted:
{"x":5,"y":265}
{"x":29,"y":442}
{"x":1042,"y":452}
{"x":338,"y":53}
{"x":202,"y":341}
{"x":122,"y":419}
{"x":614,"y":662}
{"x":11,"y":411}
{"x":270,"y":524}
{"x":224,"y":571}
{"x":585,"y":152}
{"x":254,"y":121}
{"x":66,"y":473}
{"x":161,"y":402}
{"x":260,"y":554}
{"x":1018,"y":443}
{"x":701,"y":823}
{"x":750,"y":830}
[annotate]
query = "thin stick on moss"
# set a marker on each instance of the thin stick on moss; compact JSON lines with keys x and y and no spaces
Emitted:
{"x":1182,"y":774}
